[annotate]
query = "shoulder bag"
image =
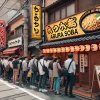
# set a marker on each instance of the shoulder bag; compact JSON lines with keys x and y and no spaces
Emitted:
{"x":65,"y":71}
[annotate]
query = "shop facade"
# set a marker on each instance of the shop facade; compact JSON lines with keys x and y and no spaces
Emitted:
{"x":80,"y":35}
{"x":14,"y":47}
{"x":14,"y":36}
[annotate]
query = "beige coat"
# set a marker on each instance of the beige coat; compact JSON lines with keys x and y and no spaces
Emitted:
{"x":55,"y":69}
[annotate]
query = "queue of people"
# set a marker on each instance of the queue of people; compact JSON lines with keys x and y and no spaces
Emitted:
{"x":39,"y":71}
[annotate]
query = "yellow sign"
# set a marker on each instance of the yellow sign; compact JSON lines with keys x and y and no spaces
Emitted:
{"x":83,"y":23}
{"x":36,"y":22}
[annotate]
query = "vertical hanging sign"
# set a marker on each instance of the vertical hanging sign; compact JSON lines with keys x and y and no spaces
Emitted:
{"x":36,"y":22}
{"x":2,"y":33}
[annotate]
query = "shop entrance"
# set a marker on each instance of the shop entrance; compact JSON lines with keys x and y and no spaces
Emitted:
{"x":84,"y":69}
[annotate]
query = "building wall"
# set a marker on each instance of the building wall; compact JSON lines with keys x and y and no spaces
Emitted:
{"x":16,"y":24}
{"x":49,"y":2}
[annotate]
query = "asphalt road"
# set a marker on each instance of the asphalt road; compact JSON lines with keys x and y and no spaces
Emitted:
{"x":8,"y":91}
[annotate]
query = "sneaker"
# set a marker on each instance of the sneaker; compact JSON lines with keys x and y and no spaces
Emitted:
{"x":44,"y":90}
{"x":71,"y":96}
{"x":30,"y":86}
{"x":40,"y":90}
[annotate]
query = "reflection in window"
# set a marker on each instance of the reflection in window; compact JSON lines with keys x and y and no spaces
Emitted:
{"x":51,"y":17}
{"x":63,"y":13}
{"x":57,"y":15}
{"x":71,"y":9}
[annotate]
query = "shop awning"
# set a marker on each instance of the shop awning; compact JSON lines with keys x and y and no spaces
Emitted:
{"x":85,"y":38}
{"x":34,"y":43}
{"x":10,"y":50}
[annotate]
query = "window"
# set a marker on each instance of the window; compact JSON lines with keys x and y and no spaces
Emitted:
{"x":63,"y":13}
{"x":71,"y":9}
{"x":57,"y":15}
{"x":51,"y":17}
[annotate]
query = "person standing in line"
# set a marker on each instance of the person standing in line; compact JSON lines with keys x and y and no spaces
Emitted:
{"x":2,"y":72}
{"x":15,"y":64}
{"x":25,"y":70}
{"x":20,"y":70}
{"x":56,"y":67}
{"x":43,"y":76}
{"x":5,"y":62}
{"x":71,"y":72}
{"x":50,"y":67}
{"x":10,"y":69}
{"x":33,"y":69}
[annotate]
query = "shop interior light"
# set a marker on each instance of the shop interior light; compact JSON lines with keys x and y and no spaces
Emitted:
{"x":62,"y":49}
{"x":94,"y":47}
{"x":81,"y":48}
{"x":67,"y":49}
{"x":76,"y":48}
{"x":58,"y":50}
{"x":71,"y":48}
{"x":87,"y":47}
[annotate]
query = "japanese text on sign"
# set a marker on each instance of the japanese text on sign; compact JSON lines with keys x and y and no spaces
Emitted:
{"x":36,"y":21}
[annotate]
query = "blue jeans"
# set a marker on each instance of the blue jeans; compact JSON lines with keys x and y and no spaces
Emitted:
{"x":42,"y":81}
{"x":56,"y":85}
{"x":33,"y":78}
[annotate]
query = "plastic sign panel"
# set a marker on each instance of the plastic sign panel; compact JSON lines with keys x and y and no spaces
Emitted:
{"x":36,"y":22}
{"x":83,"y":23}
{"x":2,"y":33}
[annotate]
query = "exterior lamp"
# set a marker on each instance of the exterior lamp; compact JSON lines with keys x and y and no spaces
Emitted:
{"x":62,"y":49}
{"x":67,"y":49}
{"x":71,"y":48}
{"x":58,"y":50}
{"x":94,"y":47}
{"x":76,"y":48}
{"x":87,"y":47}
{"x":81,"y":48}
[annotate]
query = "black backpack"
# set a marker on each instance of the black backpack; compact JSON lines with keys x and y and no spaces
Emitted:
{"x":34,"y":67}
{"x":45,"y":69}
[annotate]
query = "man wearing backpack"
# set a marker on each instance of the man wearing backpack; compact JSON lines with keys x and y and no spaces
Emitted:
{"x":70,"y":65}
{"x":43,"y":70}
{"x":33,"y":69}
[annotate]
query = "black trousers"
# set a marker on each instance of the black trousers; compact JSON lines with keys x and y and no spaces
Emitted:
{"x":70,"y":82}
{"x":24,"y":76}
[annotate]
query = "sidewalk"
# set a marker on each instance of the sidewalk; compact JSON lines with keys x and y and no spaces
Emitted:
{"x":25,"y":93}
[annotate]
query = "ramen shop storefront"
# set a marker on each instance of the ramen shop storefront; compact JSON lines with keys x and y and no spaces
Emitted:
{"x":80,"y":35}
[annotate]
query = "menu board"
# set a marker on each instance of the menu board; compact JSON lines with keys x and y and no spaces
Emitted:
{"x":82,"y":63}
{"x":98,"y":73}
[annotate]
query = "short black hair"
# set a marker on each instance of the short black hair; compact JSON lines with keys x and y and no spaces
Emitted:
{"x":41,"y":56}
{"x":70,"y":55}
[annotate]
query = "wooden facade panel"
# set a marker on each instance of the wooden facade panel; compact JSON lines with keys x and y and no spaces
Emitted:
{"x":84,"y":5}
{"x":94,"y":59}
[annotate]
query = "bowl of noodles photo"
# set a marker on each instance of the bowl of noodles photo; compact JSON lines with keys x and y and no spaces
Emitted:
{"x":90,"y":21}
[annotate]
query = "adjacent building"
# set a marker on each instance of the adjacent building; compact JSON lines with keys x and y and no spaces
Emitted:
{"x":15,"y":36}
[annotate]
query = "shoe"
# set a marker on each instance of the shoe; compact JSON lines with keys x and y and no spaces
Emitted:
{"x":51,"y":90}
{"x":57,"y":93}
{"x":40,"y":90}
{"x":71,"y":96}
{"x":66,"y":94}
{"x":44,"y":90}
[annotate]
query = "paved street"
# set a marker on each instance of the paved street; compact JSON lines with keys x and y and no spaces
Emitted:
{"x":8,"y":91}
